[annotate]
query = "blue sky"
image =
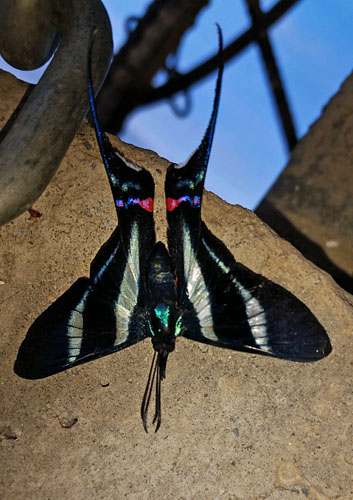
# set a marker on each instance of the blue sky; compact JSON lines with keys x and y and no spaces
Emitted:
{"x":313,"y":45}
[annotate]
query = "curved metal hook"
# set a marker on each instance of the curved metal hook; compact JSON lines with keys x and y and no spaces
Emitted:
{"x":33,"y":146}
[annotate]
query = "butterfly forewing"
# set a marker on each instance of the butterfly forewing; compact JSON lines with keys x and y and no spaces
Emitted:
{"x":107,"y":312}
{"x":223,"y":302}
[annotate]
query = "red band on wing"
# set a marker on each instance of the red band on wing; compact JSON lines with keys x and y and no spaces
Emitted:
{"x":147,"y":204}
{"x":172,"y":204}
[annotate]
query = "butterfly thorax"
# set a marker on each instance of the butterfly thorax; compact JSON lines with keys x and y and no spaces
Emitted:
{"x":165,"y":326}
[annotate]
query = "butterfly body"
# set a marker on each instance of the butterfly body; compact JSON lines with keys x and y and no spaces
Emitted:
{"x":164,"y":314}
{"x":139,"y":288}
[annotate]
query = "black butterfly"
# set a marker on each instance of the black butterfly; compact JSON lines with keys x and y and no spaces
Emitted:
{"x":137,"y":288}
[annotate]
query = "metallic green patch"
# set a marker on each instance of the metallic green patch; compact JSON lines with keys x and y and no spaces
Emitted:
{"x":149,"y":326}
{"x":177,"y":327}
{"x":162,"y":312}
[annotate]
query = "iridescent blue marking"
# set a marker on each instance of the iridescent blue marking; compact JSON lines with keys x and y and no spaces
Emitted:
{"x":195,"y":200}
{"x":99,"y":134}
{"x":105,"y":266}
{"x":146,"y":204}
{"x":130,"y":201}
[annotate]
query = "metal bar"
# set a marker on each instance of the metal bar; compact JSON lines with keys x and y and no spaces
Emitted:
{"x":273,"y":73}
{"x":35,"y":142}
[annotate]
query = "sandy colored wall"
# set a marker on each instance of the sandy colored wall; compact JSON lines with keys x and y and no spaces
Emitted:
{"x":235,"y":426}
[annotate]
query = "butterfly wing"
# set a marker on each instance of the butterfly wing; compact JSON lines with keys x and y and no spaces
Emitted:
{"x":96,"y":316}
{"x":106,"y":312}
{"x":231,"y":306}
{"x":224,"y":303}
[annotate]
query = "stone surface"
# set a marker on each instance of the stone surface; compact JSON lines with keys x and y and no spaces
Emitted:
{"x":235,"y":426}
{"x":311,"y":202}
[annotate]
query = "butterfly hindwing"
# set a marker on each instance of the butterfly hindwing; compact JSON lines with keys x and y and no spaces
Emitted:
{"x":244,"y":311}
{"x":46,"y":348}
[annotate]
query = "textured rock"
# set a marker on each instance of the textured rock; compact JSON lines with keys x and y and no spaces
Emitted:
{"x":311,"y":203}
{"x":235,"y":426}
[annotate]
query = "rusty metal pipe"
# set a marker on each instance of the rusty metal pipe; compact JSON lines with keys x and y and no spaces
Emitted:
{"x":35,"y":143}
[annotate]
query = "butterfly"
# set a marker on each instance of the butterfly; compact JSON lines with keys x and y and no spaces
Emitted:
{"x":138,"y":288}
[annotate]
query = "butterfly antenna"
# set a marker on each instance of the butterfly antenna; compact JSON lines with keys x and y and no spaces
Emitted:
{"x":148,"y":391}
{"x":158,"y":413}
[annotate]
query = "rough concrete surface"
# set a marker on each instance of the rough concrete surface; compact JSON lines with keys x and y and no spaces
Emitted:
{"x":235,"y":426}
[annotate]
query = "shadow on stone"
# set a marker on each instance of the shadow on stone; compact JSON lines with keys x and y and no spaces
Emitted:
{"x":312,"y":251}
